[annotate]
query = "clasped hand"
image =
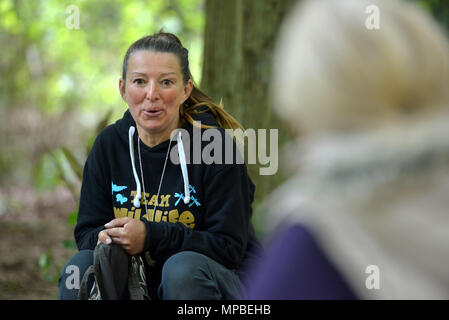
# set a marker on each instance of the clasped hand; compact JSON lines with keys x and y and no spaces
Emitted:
{"x":127,"y":232}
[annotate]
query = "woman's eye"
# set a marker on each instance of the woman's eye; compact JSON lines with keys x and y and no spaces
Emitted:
{"x":167,"y":82}
{"x":138,"y":81}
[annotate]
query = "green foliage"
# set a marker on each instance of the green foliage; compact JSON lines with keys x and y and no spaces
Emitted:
{"x":50,"y":269}
{"x":69,"y":244}
{"x":71,"y":219}
{"x":55,"y":67}
{"x":439,"y":9}
{"x":46,"y":175}
{"x":45,"y":263}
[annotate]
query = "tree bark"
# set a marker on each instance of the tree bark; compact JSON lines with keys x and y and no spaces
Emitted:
{"x":240,"y":36}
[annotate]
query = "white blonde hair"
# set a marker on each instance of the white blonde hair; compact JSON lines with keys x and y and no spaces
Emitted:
{"x":331,"y":72}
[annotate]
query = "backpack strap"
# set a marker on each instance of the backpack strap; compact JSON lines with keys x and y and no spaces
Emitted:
{"x":83,"y":293}
{"x":137,"y":284}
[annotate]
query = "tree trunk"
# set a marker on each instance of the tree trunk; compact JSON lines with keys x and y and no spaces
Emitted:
{"x":240,"y":37}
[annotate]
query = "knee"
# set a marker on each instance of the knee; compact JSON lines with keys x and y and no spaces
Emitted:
{"x":183,"y":268}
{"x":72,"y":274}
{"x":183,"y":274}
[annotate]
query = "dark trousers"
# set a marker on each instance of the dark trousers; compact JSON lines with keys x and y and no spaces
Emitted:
{"x":186,"y":275}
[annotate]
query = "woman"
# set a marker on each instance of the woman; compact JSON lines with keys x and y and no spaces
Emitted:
{"x":191,"y":221}
{"x":366,"y":212}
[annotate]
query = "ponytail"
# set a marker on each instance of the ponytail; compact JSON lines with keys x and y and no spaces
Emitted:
{"x":199,"y":99}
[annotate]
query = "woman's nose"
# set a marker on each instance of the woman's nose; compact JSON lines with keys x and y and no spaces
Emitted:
{"x":152,"y":92}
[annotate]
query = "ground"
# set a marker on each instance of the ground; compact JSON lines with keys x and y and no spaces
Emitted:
{"x":33,"y":230}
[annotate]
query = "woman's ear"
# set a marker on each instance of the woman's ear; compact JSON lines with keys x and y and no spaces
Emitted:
{"x":188,"y":87}
{"x":121,"y":86}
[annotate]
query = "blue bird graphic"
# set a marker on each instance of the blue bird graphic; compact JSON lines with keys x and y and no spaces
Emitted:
{"x":116,"y":188}
{"x":120,"y":198}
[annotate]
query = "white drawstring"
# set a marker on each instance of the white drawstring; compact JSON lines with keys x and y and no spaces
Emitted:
{"x":182,"y":161}
{"x":185,"y":174}
{"x":138,"y":196}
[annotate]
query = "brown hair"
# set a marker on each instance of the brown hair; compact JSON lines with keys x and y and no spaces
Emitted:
{"x":168,"y":42}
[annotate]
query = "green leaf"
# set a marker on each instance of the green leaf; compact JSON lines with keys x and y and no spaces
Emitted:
{"x":69,"y":244}
{"x":90,"y":143}
{"x":45,"y":261}
{"x":46,"y":173}
{"x":72,"y":218}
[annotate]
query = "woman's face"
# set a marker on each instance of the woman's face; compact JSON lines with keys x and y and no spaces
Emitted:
{"x":154,"y":90}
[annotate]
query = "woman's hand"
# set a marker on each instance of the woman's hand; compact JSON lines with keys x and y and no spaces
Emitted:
{"x":129,"y":233}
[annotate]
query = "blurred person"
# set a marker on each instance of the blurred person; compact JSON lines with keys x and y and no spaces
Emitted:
{"x":189,"y":222}
{"x":365,"y":214}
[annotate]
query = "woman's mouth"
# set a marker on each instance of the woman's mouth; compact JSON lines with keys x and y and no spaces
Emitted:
{"x":153,"y":112}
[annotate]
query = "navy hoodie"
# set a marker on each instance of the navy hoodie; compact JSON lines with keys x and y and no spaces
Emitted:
{"x":215,"y":222}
